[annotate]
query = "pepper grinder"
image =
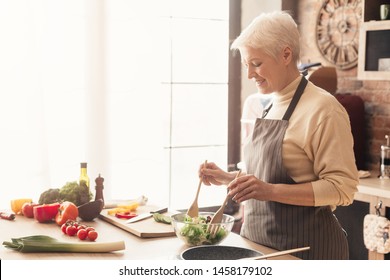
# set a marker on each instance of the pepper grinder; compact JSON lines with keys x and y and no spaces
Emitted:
{"x":385,"y":159}
{"x":99,"y":188}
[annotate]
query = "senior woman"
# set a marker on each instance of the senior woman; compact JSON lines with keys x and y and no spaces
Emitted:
{"x":299,"y":159}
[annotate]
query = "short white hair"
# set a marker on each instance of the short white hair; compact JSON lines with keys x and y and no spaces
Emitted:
{"x":270,"y":32}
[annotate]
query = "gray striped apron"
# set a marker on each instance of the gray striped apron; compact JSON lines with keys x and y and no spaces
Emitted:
{"x":283,"y":226}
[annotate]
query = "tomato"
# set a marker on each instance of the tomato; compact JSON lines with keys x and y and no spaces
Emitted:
{"x":46,"y":212}
{"x":90,"y":229}
{"x":82,"y":234}
{"x":28,"y":209}
{"x":81,"y":227}
{"x":67,"y":211}
{"x":71,"y":230}
{"x":92,"y":235}
{"x":63,"y":228}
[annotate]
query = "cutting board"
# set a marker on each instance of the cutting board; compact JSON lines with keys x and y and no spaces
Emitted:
{"x":145,"y":228}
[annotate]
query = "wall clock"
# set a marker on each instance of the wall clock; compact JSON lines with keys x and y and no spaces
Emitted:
{"x":337,"y":32}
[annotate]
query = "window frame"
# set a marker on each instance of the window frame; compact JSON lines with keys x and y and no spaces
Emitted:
{"x":234,"y":89}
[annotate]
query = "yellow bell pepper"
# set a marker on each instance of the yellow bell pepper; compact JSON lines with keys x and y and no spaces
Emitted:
{"x":123,"y":208}
{"x":17,"y":204}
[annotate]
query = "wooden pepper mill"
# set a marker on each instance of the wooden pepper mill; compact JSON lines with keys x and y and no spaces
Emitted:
{"x":99,"y":188}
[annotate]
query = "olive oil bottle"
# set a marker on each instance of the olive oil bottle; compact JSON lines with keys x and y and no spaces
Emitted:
{"x":84,"y":179}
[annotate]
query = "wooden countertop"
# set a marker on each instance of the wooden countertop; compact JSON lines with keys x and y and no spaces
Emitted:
{"x":161,"y":248}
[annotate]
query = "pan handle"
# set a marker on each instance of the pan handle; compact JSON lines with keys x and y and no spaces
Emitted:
{"x":277,"y":254}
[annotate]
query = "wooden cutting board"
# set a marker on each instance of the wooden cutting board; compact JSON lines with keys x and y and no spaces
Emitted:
{"x":145,"y":228}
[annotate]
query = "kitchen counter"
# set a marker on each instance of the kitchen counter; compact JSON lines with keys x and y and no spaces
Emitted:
{"x":161,"y":248}
{"x":374,"y":190}
{"x":375,"y":186}
{"x":371,"y":190}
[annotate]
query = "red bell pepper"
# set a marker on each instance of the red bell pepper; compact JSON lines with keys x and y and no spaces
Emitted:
{"x":46,"y":212}
{"x":67,"y":211}
{"x":125,"y":215}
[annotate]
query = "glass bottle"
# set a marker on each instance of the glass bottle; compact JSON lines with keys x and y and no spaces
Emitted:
{"x":84,"y":179}
{"x":385,"y":159}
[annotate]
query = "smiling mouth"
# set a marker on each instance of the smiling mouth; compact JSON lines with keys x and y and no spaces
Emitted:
{"x":259,"y":82}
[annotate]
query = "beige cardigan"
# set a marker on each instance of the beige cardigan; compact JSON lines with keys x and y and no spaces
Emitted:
{"x":318,"y":145}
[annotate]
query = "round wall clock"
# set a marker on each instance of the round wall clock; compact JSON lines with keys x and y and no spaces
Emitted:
{"x":337,"y":32}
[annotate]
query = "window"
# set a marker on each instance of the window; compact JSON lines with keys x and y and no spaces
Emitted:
{"x":138,"y":89}
{"x":182,"y":119}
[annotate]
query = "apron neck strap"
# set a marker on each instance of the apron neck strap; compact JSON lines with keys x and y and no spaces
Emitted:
{"x":294,"y":101}
{"x":297,"y":95}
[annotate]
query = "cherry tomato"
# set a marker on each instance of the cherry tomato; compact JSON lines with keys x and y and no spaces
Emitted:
{"x":81,"y":227}
{"x":92,"y":235}
{"x":82,"y":234}
{"x":63,"y":228}
{"x":71,"y":230}
{"x":90,"y":229}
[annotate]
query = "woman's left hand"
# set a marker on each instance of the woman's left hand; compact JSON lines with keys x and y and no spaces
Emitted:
{"x":248,"y":187}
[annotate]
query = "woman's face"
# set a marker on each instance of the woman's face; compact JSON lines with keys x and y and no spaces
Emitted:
{"x":267,"y":72}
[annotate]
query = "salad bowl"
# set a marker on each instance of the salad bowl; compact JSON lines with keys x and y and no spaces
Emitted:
{"x":194,"y":231}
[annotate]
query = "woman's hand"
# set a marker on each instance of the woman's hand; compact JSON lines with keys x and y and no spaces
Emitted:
{"x":249,"y":187}
{"x":211,"y":174}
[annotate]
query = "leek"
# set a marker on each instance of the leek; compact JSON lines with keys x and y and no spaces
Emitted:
{"x":44,"y":243}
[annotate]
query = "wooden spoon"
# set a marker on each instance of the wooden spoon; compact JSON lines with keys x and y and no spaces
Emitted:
{"x":193,"y":211}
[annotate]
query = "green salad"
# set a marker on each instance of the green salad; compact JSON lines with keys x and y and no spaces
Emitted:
{"x":195,"y":232}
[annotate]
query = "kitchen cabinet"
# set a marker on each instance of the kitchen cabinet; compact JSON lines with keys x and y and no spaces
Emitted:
{"x":374,"y":200}
{"x":374,"y":40}
{"x":351,"y":218}
{"x":371,"y":191}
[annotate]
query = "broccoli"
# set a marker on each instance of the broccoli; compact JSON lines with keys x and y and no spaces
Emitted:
{"x":73,"y":192}
{"x":49,"y":196}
